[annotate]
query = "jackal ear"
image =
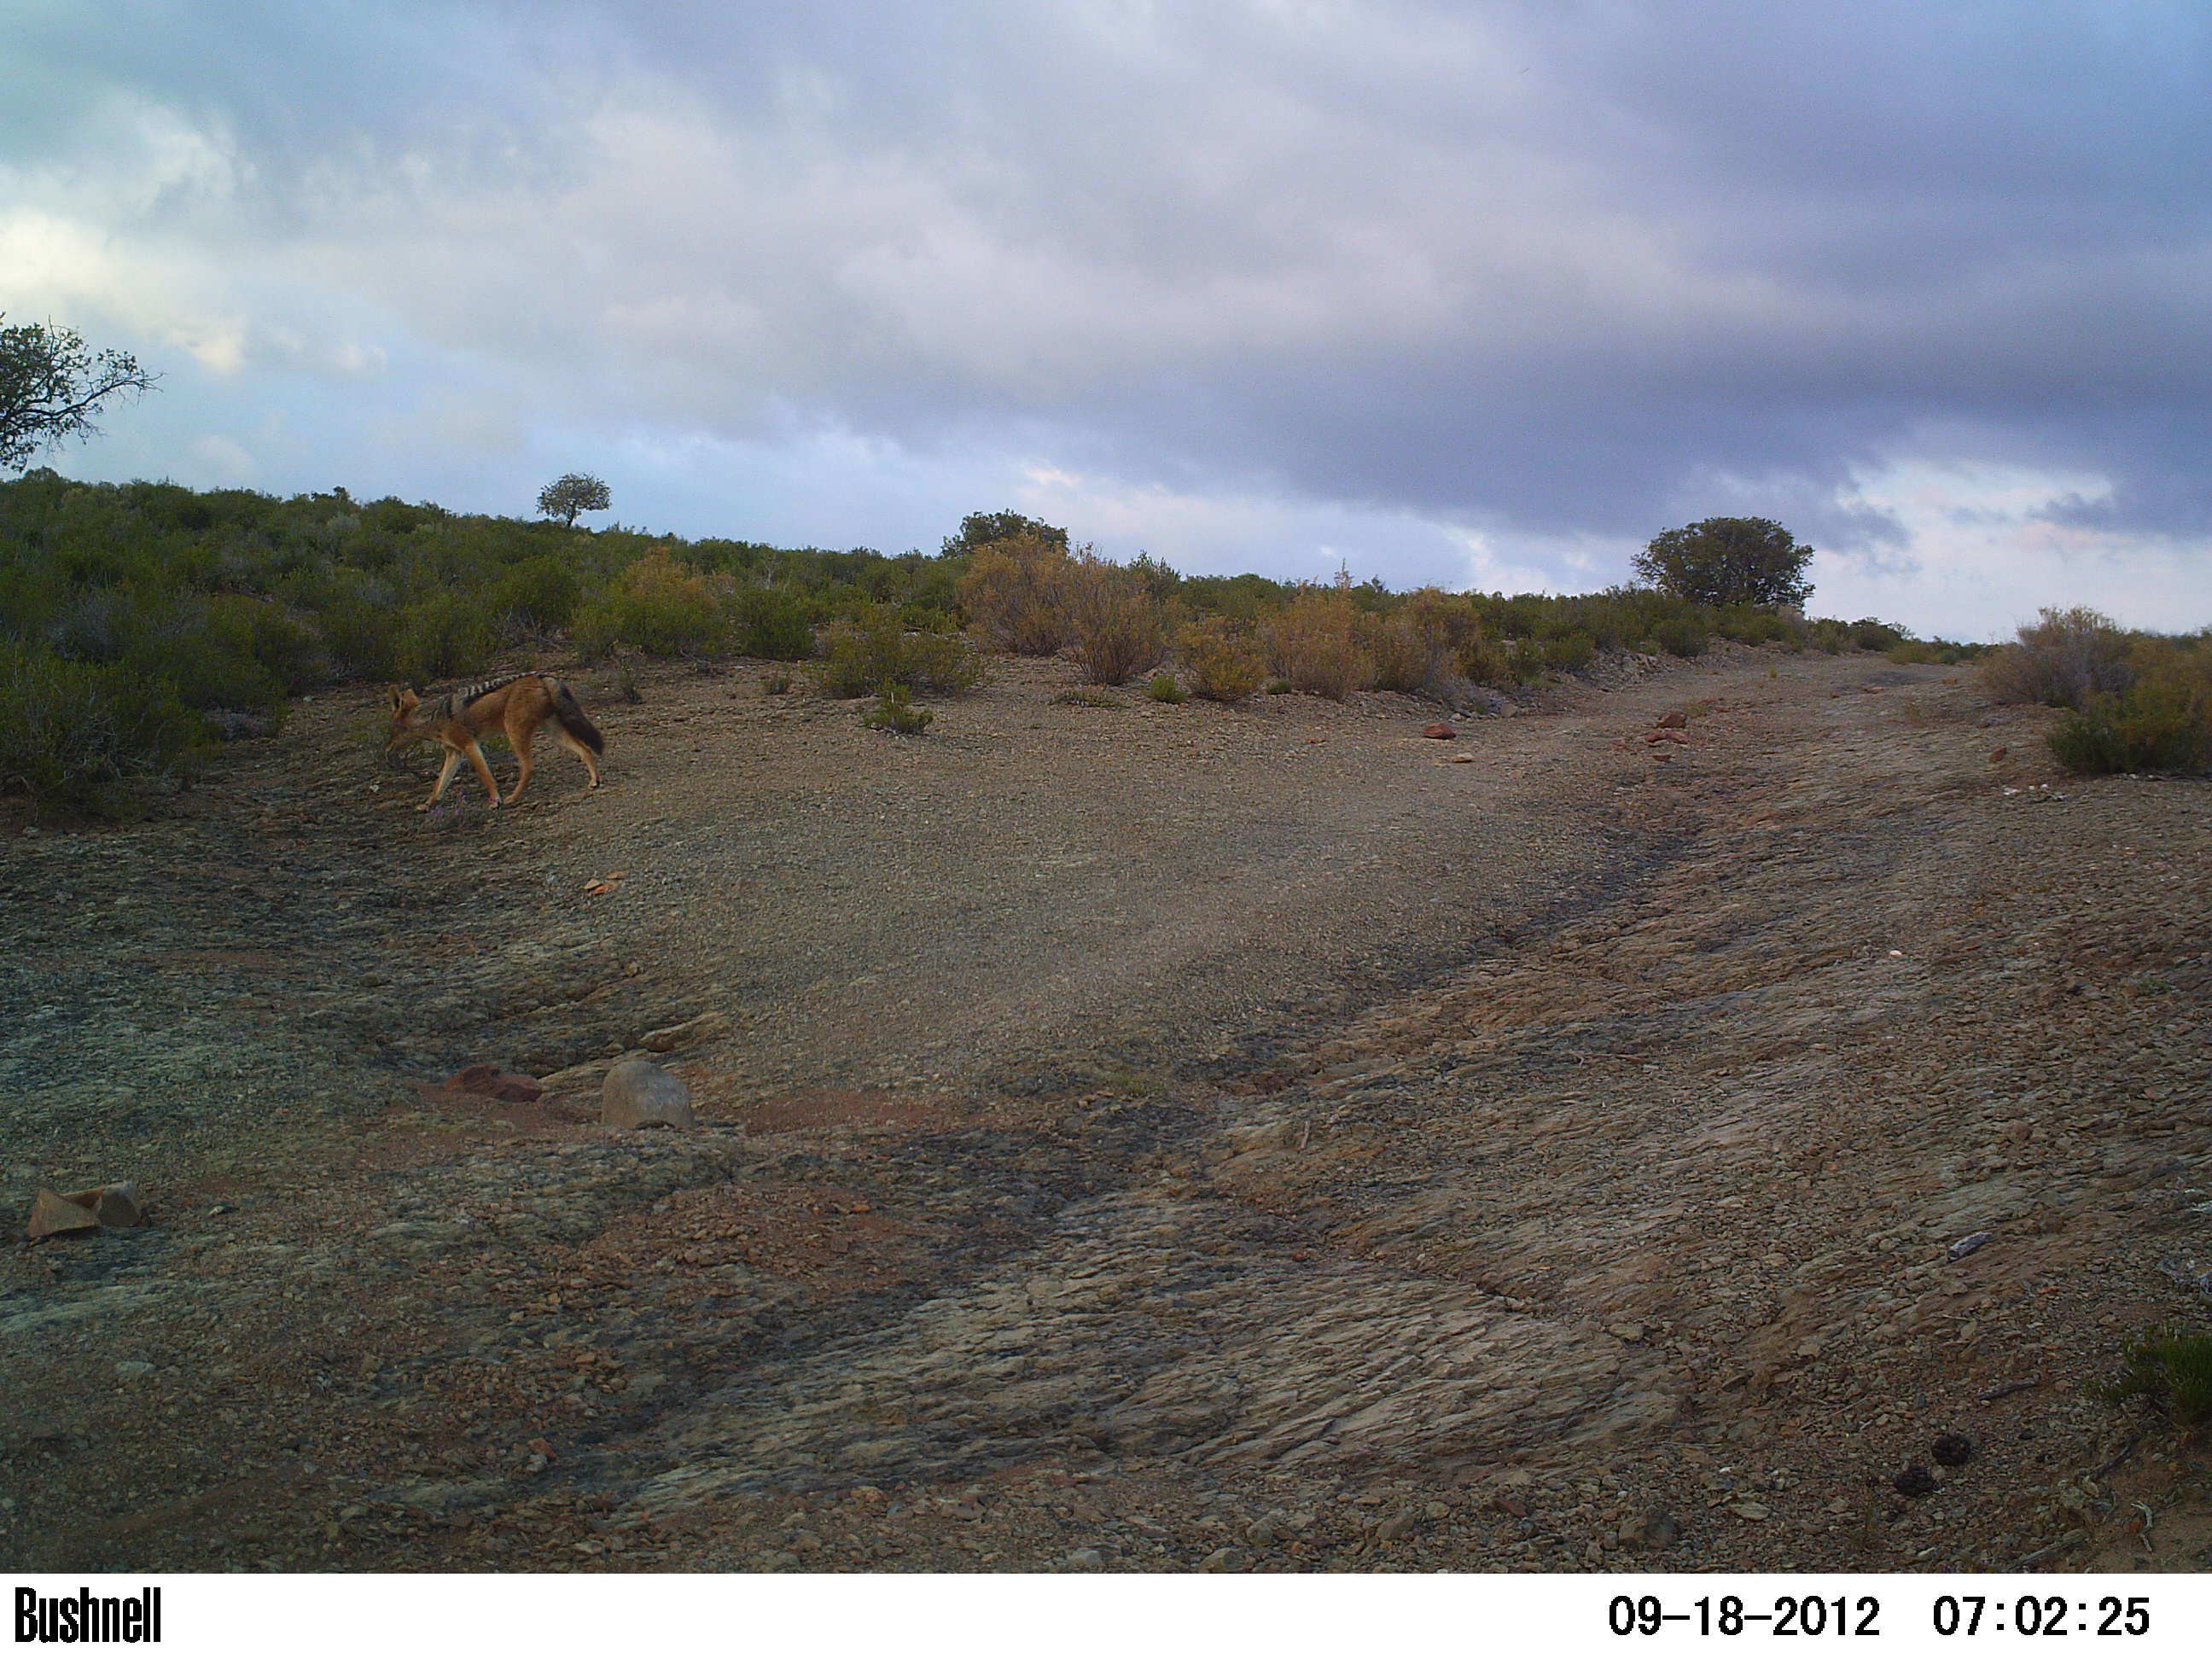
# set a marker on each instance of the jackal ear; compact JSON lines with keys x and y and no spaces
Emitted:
{"x":402,"y":699}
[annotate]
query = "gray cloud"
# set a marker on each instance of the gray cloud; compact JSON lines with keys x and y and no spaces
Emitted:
{"x":1535,"y":269}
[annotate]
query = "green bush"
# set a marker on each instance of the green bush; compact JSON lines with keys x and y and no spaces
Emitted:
{"x":442,"y":636}
{"x":2162,"y":723}
{"x":1570,"y":655}
{"x":867,"y":653}
{"x":2172,"y":1367}
{"x":660,"y":606}
{"x":77,"y":735}
{"x":535,"y":597}
{"x":1681,"y":636}
{"x":773,"y":623}
{"x":1163,"y":687}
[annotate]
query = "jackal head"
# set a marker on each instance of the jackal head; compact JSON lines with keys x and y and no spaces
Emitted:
{"x":403,"y":730}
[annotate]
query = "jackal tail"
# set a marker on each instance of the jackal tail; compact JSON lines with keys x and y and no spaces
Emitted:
{"x":573,"y":720}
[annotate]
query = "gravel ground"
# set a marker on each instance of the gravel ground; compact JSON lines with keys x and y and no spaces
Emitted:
{"x":1151,"y":1137}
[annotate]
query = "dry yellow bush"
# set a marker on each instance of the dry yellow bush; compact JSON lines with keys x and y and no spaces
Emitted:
{"x":1012,"y":592}
{"x":1225,"y":665}
{"x":1314,"y":643}
{"x":1117,"y":627}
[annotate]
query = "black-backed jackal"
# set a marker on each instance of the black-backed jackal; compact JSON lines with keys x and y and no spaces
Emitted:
{"x":517,"y":704}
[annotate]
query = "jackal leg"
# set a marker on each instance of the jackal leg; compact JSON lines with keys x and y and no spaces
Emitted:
{"x":519,"y":733}
{"x":484,"y":771}
{"x":444,"y":776}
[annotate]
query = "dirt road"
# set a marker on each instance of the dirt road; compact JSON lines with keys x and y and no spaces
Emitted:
{"x":1144,"y":1137}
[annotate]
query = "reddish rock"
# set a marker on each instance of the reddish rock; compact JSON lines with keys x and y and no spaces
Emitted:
{"x":51,"y":1213}
{"x":1674,"y":717}
{"x":490,"y":1081}
{"x":116,"y":1205}
{"x":1438,"y":729}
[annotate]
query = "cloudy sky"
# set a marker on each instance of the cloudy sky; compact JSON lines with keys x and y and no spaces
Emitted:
{"x":1483,"y":293}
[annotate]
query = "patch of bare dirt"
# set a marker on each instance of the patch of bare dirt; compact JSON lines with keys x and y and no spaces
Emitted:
{"x":1155,"y":1137}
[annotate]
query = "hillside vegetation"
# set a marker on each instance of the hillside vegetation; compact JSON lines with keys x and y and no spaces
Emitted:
{"x":141,"y":623}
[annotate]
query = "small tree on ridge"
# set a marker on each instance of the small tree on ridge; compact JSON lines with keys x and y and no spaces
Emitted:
{"x":572,"y":493}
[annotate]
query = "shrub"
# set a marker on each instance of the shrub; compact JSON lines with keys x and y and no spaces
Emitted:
{"x":1871,"y":634}
{"x":660,"y":606}
{"x":773,"y":623}
{"x":894,"y":713}
{"x":1412,"y":646}
{"x":2170,"y":1367}
{"x":1569,"y":654}
{"x":535,"y":598}
{"x":77,"y":734}
{"x":868,"y":651}
{"x":440,"y":636}
{"x":1279,"y":688}
{"x":2162,"y":723}
{"x":1314,"y":644}
{"x":1117,"y":626}
{"x":1681,"y":636}
{"x":1224,"y":666}
{"x":2066,"y":659}
{"x":1012,"y":594}
{"x":1484,"y":662}
{"x":1163,"y":687}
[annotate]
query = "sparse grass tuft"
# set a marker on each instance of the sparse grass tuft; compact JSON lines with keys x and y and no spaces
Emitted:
{"x":894,"y":712}
{"x":2170,"y":1367}
{"x":1089,"y":696}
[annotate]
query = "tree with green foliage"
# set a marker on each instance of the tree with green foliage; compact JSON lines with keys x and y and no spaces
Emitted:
{"x":52,"y":385}
{"x":1728,"y":561}
{"x":572,"y":493}
{"x":981,"y":529}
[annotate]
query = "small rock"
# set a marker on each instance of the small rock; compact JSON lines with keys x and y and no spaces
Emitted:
{"x":1512,"y":1505}
{"x":1962,"y":1248}
{"x":1226,"y":1560}
{"x":1998,"y":753}
{"x":494,"y":1083}
{"x":1749,"y":1512}
{"x":1659,"y":1530}
{"x":1391,"y":1529}
{"x":1083,"y":1560}
{"x":639,"y":1095}
{"x":1438,"y":729}
{"x":133,"y":1370}
{"x":1260,"y":1533}
{"x":1952,"y":1450}
{"x":51,"y":1213}
{"x":695,"y":1030}
{"x":1674,"y":718}
{"x":1917,"y":1481}
{"x":1463,"y":760}
{"x":116,"y":1205}
{"x":1627,"y":1331}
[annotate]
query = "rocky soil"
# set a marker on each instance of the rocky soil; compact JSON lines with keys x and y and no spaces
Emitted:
{"x":1143,"y":1138}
